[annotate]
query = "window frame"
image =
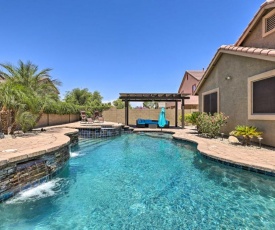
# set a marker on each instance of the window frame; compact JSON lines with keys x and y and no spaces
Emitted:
{"x":193,"y":90}
{"x":264,"y":20}
{"x":216,"y":90}
{"x":250,"y":81}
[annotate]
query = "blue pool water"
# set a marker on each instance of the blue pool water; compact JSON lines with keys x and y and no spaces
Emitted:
{"x":144,"y":182}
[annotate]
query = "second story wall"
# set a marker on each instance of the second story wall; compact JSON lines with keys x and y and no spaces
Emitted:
{"x":261,"y":31}
{"x":188,"y":85}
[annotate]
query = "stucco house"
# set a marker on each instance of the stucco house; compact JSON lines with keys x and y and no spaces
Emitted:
{"x":188,"y":85}
{"x":240,"y":80}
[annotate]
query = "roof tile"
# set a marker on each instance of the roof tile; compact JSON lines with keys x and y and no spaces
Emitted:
{"x":240,"y":48}
{"x":245,"y":49}
{"x":258,"y":51}
{"x":251,"y":50}
{"x":271,"y":53}
{"x":265,"y":51}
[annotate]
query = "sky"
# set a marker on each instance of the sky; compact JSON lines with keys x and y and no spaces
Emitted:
{"x":120,"y":46}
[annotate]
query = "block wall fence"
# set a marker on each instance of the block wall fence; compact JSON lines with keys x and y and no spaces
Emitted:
{"x":118,"y":115}
{"x":55,"y":119}
{"x":112,"y":115}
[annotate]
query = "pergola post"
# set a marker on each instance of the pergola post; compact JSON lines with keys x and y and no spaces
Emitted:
{"x":176,"y":113}
{"x":182,"y":113}
{"x":126,"y":112}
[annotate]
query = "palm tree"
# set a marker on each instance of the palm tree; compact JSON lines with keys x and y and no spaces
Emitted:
{"x":79,"y":96}
{"x":9,"y":101}
{"x":36,"y":88}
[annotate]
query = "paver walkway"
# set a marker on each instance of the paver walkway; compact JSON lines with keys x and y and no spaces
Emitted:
{"x":27,"y":146}
{"x":259,"y":158}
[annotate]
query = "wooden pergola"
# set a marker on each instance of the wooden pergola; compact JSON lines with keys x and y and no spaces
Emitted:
{"x":165,"y":97}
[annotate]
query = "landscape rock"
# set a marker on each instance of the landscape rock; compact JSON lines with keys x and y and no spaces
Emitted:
{"x":233,"y":140}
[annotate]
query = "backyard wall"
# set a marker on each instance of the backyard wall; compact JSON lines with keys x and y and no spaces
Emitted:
{"x":56,"y":119}
{"x":118,"y":115}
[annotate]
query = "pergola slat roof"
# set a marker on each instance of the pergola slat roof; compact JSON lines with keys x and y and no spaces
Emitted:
{"x":152,"y":96}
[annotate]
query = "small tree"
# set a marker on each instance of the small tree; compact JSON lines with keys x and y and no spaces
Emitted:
{"x":151,"y":105}
{"x":119,"y":104}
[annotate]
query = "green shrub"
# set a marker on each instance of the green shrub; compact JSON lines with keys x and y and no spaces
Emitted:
{"x":27,"y":121}
{"x":61,"y":107}
{"x":190,"y":118}
{"x":246,"y":132}
{"x":211,"y":125}
{"x":194,"y":117}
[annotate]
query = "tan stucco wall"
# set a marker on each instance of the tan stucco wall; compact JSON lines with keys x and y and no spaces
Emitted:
{"x":118,"y":115}
{"x":233,"y":93}
{"x":255,"y":38}
{"x":56,"y":119}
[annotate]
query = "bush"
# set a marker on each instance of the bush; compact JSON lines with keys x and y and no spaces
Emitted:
{"x":190,"y":118}
{"x":211,"y":125}
{"x":27,"y":121}
{"x":194,"y":117}
{"x":246,"y":132}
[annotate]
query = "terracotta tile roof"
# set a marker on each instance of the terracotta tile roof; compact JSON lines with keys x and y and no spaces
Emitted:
{"x":249,"y":50}
{"x":266,"y":54}
{"x":196,"y":73}
{"x":265,"y":6}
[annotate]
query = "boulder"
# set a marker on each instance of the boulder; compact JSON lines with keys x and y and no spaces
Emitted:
{"x":233,"y":140}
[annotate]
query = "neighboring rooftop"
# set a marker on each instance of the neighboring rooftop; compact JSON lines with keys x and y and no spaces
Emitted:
{"x":196,"y":73}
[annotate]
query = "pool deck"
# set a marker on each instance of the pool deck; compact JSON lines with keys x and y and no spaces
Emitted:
{"x":22,"y":147}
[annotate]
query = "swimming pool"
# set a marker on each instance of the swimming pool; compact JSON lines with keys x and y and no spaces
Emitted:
{"x":144,"y":181}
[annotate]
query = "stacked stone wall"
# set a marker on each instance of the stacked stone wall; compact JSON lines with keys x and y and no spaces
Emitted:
{"x":22,"y":174}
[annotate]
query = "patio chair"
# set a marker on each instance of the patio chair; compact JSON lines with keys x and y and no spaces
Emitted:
{"x":90,"y":120}
{"x":83,"y":116}
{"x":100,"y":119}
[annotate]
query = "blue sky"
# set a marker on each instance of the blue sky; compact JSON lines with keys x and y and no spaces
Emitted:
{"x":118,"y":46}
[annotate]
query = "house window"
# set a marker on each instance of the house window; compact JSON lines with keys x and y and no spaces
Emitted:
{"x":210,"y":101}
{"x":193,"y":88}
{"x":264,"y":96}
{"x":269,"y":23}
{"x":261,"y":96}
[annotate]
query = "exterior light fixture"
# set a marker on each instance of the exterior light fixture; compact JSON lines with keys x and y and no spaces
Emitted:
{"x":228,"y":78}
{"x":260,"y":141}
